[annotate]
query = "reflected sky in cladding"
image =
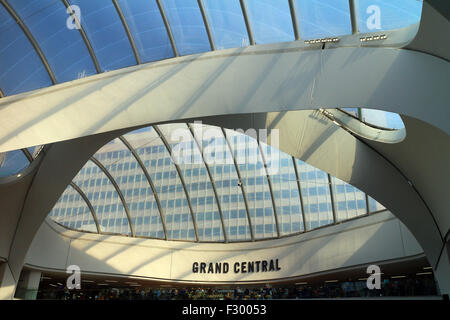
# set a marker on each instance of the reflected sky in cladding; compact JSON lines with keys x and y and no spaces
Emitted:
{"x":147,"y":28}
{"x":21,"y":69}
{"x":105,"y":31}
{"x":69,"y":58}
{"x":64,"y":49}
{"x":187,"y":26}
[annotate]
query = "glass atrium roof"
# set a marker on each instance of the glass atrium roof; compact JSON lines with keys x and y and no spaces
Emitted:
{"x":132,"y":186}
{"x":202,"y":183}
{"x":45,"y":42}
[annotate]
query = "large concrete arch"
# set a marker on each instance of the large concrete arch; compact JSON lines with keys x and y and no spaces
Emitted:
{"x":259,"y":84}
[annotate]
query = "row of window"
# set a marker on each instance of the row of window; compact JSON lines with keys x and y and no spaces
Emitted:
{"x":195,"y":172}
{"x":227,"y":214}
{"x":202,"y":232}
{"x":226,"y":198}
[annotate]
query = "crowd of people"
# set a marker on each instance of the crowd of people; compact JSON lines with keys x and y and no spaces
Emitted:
{"x":348,"y":289}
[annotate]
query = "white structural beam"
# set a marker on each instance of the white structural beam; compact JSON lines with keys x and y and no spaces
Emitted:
{"x":409,"y":177}
{"x":272,"y":78}
{"x":383,"y":238}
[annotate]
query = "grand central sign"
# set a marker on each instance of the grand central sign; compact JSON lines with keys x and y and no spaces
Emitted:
{"x":237,"y":267}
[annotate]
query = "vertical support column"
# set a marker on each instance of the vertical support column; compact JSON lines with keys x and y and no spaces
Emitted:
{"x":84,"y":36}
{"x":442,"y":270}
{"x":367,"y":204}
{"x":180,"y":175}
{"x":207,"y":27}
{"x":300,"y":193}
{"x":167,"y":25}
{"x":244,"y":195}
{"x":28,"y":285}
{"x":353,"y":16}
{"x":332,"y":199}
{"x":213,"y":184}
{"x":7,"y":282}
{"x":127,"y":31}
{"x":247,"y":22}
{"x":269,"y":181}
{"x":294,"y":19}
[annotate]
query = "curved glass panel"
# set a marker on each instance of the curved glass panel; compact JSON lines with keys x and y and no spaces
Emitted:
{"x":378,"y":15}
{"x":254,"y":180}
{"x":167,"y":183}
{"x":106,"y":33}
{"x":136,"y":190}
{"x":316,"y":195}
{"x":374,"y":205}
{"x":196,"y":179}
{"x":270,"y":20}
{"x":285,"y":190}
{"x":147,"y":28}
{"x":353,"y":111}
{"x":218,"y":156}
{"x":210,"y":149}
{"x":349,"y":202}
{"x":72,"y":211}
{"x":21,"y":69}
{"x":323,"y":18}
{"x":382,"y":119}
{"x":63,"y":48}
{"x":34,"y":151}
{"x":188,"y":28}
{"x":227,"y":23}
{"x":12,"y":162}
{"x":103,"y":196}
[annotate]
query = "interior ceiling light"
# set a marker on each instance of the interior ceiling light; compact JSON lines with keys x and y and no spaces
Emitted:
{"x":322,"y":40}
{"x":373,"y":38}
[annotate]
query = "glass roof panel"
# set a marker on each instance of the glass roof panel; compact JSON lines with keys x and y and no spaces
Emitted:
{"x":63,"y":48}
{"x":196,"y":178}
{"x":147,"y":28}
{"x":227,"y":23}
{"x":270,"y":20}
{"x":103,"y":196}
{"x":72,"y":212}
{"x":188,"y":28}
{"x":106,"y":33}
{"x":285,"y":190}
{"x":34,"y":151}
{"x":218,"y":156}
{"x":21,"y":69}
{"x":323,"y":18}
{"x":316,"y":195}
{"x":352,"y":111}
{"x":169,"y":188}
{"x":382,"y":119}
{"x":375,"y":205}
{"x":136,"y":190}
{"x":378,"y":15}
{"x":12,"y":162}
{"x":254,"y":180}
{"x":122,"y":165}
{"x":349,"y":202}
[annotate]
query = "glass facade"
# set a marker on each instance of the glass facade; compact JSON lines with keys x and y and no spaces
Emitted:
{"x":378,"y":118}
{"x":122,"y":33}
{"x":194,"y":182}
{"x":12,"y":162}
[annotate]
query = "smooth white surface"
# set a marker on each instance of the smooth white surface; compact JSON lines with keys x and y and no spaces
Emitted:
{"x":362,"y":241}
